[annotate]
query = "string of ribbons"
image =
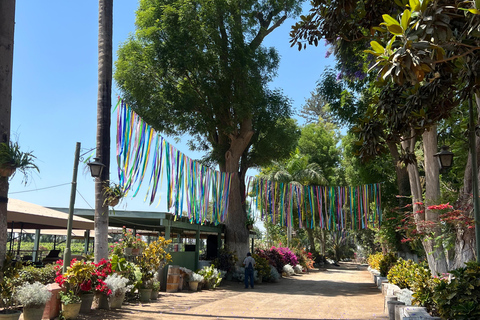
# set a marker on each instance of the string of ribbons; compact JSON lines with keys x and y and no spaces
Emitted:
{"x":331,"y":208}
{"x":143,"y":154}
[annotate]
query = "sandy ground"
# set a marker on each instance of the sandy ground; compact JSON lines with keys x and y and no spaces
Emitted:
{"x":344,"y":292}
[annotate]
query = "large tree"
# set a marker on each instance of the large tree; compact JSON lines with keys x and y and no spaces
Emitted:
{"x":7,"y":26}
{"x":199,"y":68}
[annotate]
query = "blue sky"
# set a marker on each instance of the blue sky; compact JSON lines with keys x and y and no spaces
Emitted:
{"x":54,"y":98}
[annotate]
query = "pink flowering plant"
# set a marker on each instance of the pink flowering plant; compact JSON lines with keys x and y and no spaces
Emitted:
{"x":79,"y":276}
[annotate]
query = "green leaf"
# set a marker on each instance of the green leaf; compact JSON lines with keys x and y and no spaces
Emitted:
{"x":377,"y":47}
{"x":395,"y":29}
{"x":389,"y":20}
{"x":371,"y":52}
{"x":474,"y":11}
{"x":477,"y":4}
{"x":406,"y":18}
{"x":380,"y":29}
{"x":390,"y":43}
{"x":414,"y":5}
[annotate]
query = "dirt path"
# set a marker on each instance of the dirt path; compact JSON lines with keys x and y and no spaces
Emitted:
{"x":343,"y":292}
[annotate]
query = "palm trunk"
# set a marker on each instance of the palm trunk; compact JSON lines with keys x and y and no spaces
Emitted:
{"x":105,"y":17}
{"x":7,"y":28}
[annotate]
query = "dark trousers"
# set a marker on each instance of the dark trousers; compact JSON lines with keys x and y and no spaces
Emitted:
{"x":248,"y":275}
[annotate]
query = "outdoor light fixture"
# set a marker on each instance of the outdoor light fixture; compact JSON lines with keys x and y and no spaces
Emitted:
{"x":96,"y":167}
{"x":445,"y":158}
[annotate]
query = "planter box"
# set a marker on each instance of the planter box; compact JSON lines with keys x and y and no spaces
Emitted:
{"x":52,"y":307}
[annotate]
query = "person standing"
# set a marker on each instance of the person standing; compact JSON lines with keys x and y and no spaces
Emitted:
{"x":249,"y":264}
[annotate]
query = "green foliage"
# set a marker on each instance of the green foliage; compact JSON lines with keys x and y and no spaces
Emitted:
{"x":387,"y":263}
{"x":225,"y":260}
{"x":460,"y":299}
{"x":12,"y":157}
{"x":69,"y":297}
{"x":211,"y":275}
{"x":113,"y":194}
{"x":152,"y":258}
{"x":78,"y":274}
{"x":403,"y":273}
{"x":262,"y":266}
{"x":423,"y":288}
{"x":7,"y":283}
{"x":31,"y":274}
{"x":373,"y":260}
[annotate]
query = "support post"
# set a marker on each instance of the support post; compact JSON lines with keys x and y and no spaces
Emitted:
{"x":473,"y":151}
{"x":87,"y":242}
{"x":197,"y":247}
{"x":36,"y":246}
{"x":67,"y":252}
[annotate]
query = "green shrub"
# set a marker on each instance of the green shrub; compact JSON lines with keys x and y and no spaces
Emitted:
{"x":31,"y":274}
{"x":387,"y":263}
{"x":374,"y":260}
{"x":423,"y":288}
{"x":460,"y":299}
{"x":402,"y":273}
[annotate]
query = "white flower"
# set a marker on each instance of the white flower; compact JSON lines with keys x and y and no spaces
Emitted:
{"x":117,"y":284}
{"x":32,"y":294}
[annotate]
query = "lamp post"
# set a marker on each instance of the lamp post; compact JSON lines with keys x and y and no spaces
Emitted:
{"x":96,"y":168}
{"x":445,"y":159}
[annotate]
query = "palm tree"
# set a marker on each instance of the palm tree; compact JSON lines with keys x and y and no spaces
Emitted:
{"x":7,"y":27}
{"x":104,"y":102}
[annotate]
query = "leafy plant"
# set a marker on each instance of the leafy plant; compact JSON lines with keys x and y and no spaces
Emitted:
{"x":423,"y":288}
{"x":11,"y":157}
{"x":387,"y":263}
{"x":79,"y":276}
{"x":69,"y":297}
{"x":373,"y":260}
{"x":32,"y":294}
{"x":195,"y":277}
{"x":225,"y":260}
{"x":403,"y":273}
{"x":31,"y":274}
{"x":152,"y":258}
{"x":113,"y":194}
{"x":7,"y":284}
{"x":460,"y":299}
{"x":211,"y":275}
{"x":262,"y":266}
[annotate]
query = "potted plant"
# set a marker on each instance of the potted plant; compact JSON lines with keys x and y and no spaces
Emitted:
{"x":11,"y":158}
{"x":127,"y":241}
{"x":103,"y":269}
{"x":7,"y":289}
{"x":250,"y":222}
{"x":194,"y":279}
{"x":226,"y":261}
{"x":113,"y":194}
{"x":71,"y":304}
{"x":117,"y":286}
{"x":79,"y":277}
{"x":153,"y":257}
{"x":211,"y":277}
{"x":33,"y":297}
{"x":155,"y":290}
{"x":138,"y":245}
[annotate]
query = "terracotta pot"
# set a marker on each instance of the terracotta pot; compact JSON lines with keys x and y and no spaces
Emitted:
{"x":71,"y":311}
{"x":144,"y":295}
{"x":10,"y":316}
{"x":33,"y":312}
{"x":6,"y":171}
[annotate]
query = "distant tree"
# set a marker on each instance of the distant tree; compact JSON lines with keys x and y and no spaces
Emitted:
{"x":199,"y":68}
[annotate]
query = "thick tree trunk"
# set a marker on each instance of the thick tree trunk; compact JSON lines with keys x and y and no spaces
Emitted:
{"x":434,"y":251}
{"x":7,"y":27}
{"x":403,"y":183}
{"x":236,"y":237}
{"x":104,"y":103}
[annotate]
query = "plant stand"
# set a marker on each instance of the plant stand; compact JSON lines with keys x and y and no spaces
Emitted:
{"x":71,"y":311}
{"x":33,"y":313}
{"x":144,"y":295}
